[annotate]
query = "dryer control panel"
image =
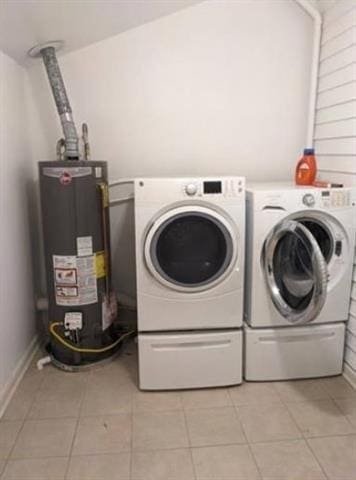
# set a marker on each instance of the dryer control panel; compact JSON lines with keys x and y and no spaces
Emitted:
{"x":231,"y":187}
{"x":164,"y":191}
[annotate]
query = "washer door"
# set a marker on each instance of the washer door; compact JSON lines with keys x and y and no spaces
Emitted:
{"x":321,"y":233}
{"x":295,"y":272}
{"x":190,"y":248}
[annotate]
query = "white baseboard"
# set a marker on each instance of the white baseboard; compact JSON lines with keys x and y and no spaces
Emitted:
{"x":8,"y":390}
{"x":350,"y":375}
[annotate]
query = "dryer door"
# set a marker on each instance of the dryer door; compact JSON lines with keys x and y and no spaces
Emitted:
{"x":295,"y":272}
{"x":191,"y":248}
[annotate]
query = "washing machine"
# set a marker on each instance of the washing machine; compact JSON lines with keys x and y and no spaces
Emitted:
{"x":299,"y":250}
{"x":190,"y":238}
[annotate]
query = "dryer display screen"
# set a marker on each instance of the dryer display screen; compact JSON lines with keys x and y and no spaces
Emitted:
{"x":212,"y":187}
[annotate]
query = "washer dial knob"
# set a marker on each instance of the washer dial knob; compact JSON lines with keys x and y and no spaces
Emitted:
{"x":191,"y":189}
{"x":309,"y":200}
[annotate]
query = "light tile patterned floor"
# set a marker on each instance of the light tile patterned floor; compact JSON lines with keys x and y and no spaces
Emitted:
{"x":98,"y":426}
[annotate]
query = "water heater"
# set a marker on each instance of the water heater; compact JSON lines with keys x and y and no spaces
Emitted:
{"x":75,"y":218}
{"x":76,"y":232}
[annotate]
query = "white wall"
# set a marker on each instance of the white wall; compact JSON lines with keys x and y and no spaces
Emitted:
{"x":218,"y":88}
{"x":17,"y":325}
{"x":335,"y":130}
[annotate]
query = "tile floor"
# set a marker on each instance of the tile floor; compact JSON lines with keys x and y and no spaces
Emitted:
{"x":98,"y":426}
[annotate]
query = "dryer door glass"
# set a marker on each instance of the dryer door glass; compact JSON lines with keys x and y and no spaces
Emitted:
{"x":295,"y":272}
{"x":191,"y":249}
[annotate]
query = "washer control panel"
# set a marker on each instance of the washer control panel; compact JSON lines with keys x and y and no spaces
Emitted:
{"x":231,"y":187}
{"x":330,"y":198}
{"x":309,"y":200}
{"x":336,"y":198}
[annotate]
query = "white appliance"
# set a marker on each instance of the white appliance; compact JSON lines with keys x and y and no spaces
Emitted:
{"x":299,"y":249}
{"x":190,"y":237}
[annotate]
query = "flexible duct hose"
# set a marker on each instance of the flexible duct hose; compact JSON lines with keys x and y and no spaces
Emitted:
{"x":62,"y":102}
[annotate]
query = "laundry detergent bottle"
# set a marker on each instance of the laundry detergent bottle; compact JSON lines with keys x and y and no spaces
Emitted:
{"x":305,"y":172}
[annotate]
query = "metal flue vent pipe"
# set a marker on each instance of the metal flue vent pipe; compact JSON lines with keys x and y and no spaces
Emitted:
{"x":48,"y":53}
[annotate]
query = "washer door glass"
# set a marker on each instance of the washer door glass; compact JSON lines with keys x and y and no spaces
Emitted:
{"x":321,"y":234}
{"x":295,"y":272}
{"x":191,"y":249}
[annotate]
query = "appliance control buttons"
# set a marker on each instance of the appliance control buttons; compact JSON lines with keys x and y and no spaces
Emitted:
{"x":340,"y":199}
{"x":309,"y":200}
{"x":191,"y":189}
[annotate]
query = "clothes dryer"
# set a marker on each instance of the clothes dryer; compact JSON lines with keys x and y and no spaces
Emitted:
{"x":190,"y":238}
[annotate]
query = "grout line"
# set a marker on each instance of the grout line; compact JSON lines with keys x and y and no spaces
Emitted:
{"x":76,"y":427}
{"x":247,"y":441}
{"x":315,"y":457}
{"x":285,"y":404}
{"x":190,"y":447}
{"x":8,"y":458}
{"x":132,"y":417}
{"x":311,"y":437}
{"x":38,"y":458}
{"x":345,"y":416}
{"x":211,"y":407}
{"x":25,"y":419}
{"x":132,"y":434}
{"x":169,"y":449}
{"x":44,"y":376}
{"x":2,"y":470}
{"x":259,"y":471}
{"x":45,"y":419}
{"x":308,"y":436}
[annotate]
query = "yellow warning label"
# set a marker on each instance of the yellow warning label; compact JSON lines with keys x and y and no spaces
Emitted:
{"x":100,"y":264}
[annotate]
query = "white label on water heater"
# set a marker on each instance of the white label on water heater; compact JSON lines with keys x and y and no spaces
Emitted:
{"x":75,"y":280}
{"x":73,"y":320}
{"x":84,"y":246}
